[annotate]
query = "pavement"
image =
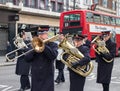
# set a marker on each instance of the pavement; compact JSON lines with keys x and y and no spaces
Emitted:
{"x":4,"y":63}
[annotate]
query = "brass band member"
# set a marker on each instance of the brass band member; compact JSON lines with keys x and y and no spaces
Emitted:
{"x":77,"y":81}
{"x":104,"y":69}
{"x":42,"y":69}
{"x":22,"y":67}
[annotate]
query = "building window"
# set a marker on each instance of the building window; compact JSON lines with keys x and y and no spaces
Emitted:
{"x":59,"y":7}
{"x":42,"y":4}
{"x":113,"y":5}
{"x":60,"y":1}
{"x":95,"y":1}
{"x":3,"y":1}
{"x":10,"y":1}
{"x":67,"y":4}
{"x":25,"y":3}
{"x":86,"y":2}
{"x":104,"y":3}
{"x":53,"y":6}
{"x":32,"y":3}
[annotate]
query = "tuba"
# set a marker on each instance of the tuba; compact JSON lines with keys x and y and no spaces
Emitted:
{"x":100,"y":47}
{"x":74,"y":56}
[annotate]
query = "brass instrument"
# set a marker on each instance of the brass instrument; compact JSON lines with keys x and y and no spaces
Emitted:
{"x":37,"y":44}
{"x":74,"y":56}
{"x":100,"y":47}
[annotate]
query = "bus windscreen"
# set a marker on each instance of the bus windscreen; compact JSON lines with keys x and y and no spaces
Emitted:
{"x":71,"y":20}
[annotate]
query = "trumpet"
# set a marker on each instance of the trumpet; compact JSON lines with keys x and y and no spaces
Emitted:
{"x":37,"y":44}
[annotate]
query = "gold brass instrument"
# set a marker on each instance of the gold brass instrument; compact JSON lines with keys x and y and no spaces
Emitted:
{"x":100,"y":47}
{"x":37,"y":44}
{"x":74,"y":56}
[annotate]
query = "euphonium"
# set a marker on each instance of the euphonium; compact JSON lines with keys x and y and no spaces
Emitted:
{"x":74,"y":56}
{"x":39,"y":45}
{"x":101,"y":48}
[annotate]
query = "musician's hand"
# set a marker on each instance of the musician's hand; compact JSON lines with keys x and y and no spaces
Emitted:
{"x":75,"y":64}
{"x":73,"y":50}
{"x":101,"y":54}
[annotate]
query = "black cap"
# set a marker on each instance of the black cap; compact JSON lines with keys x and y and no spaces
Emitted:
{"x":79,"y":37}
{"x":42,"y":29}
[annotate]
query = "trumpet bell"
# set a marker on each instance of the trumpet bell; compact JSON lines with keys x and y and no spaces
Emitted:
{"x":38,"y":44}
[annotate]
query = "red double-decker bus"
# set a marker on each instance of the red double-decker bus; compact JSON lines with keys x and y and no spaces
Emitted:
{"x":91,"y":23}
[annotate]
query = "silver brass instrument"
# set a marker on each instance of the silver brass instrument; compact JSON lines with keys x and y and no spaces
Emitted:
{"x":100,"y":47}
{"x":37,"y":44}
{"x":74,"y":57}
{"x":19,"y":42}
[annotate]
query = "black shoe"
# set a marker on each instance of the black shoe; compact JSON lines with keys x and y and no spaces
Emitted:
{"x":57,"y":81}
{"x":26,"y":88}
{"x":62,"y":80}
{"x":21,"y":89}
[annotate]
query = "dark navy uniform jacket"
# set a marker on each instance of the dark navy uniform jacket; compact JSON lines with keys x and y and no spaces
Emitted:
{"x":42,"y":69}
{"x":77,"y":81}
{"x":104,"y":69}
{"x":22,"y":67}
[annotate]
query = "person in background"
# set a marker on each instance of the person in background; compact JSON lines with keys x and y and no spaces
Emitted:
{"x":59,"y":65}
{"x":42,"y":63}
{"x":9,"y":49}
{"x":22,"y":67}
{"x":77,"y":81}
{"x":86,"y":41}
{"x":104,"y":69}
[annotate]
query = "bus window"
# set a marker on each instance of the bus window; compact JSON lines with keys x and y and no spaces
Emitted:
{"x":118,"y":21}
{"x":72,"y":20}
{"x":112,"y":20}
{"x":106,"y":19}
{"x":102,"y":20}
{"x":96,"y":18}
{"x":89,"y":17}
{"x":72,"y":17}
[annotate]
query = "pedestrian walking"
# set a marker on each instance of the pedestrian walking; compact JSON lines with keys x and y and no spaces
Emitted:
{"x":59,"y":65}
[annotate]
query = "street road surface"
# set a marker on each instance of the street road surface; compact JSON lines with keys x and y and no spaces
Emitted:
{"x":9,"y":81}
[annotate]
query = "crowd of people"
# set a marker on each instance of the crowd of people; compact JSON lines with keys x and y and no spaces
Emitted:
{"x":40,"y":65}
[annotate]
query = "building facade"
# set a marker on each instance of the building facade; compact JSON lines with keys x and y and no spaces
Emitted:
{"x":16,"y":13}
